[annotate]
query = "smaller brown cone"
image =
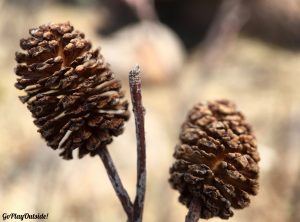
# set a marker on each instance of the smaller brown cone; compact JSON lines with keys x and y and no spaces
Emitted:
{"x":216,"y":160}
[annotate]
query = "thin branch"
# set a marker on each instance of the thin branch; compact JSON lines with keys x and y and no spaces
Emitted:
{"x":145,"y":9}
{"x":116,"y":182}
{"x":194,"y":211}
{"x":138,"y":110}
{"x":230,"y":19}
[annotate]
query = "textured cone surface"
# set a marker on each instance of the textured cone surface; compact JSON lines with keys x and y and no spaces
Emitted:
{"x":216,"y":160}
{"x":71,"y":92}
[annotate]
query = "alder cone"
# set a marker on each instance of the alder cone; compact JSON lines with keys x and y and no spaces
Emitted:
{"x":216,"y":160}
{"x":71,"y":92}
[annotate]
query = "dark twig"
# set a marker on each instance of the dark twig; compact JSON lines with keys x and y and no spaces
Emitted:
{"x":116,"y":182}
{"x":138,"y":110}
{"x":194,"y":212}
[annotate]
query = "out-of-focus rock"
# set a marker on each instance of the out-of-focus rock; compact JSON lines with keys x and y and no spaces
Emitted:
{"x":152,"y":45}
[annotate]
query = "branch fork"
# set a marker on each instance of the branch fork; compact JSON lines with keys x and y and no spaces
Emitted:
{"x":134,"y":211}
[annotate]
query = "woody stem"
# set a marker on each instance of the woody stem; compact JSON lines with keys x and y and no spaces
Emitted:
{"x":138,"y":110}
{"x":194,"y":211}
{"x":116,"y":182}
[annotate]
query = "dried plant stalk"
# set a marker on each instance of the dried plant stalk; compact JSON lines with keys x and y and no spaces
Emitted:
{"x":73,"y":96}
{"x":78,"y":104}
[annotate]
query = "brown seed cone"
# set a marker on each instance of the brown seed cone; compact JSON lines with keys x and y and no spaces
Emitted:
{"x":71,"y":92}
{"x":216,"y":160}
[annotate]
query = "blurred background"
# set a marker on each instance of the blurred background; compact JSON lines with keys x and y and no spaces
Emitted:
{"x":189,"y":51}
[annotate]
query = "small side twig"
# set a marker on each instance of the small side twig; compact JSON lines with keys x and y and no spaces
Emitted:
{"x":145,"y":9}
{"x":194,"y":212}
{"x":116,"y":182}
{"x":138,"y":110}
{"x":230,"y":19}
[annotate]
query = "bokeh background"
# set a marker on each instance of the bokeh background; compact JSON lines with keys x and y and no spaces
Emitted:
{"x":189,"y":51}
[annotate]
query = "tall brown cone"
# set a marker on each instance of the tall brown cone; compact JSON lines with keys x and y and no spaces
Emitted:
{"x":216,"y":160}
{"x":71,"y":92}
